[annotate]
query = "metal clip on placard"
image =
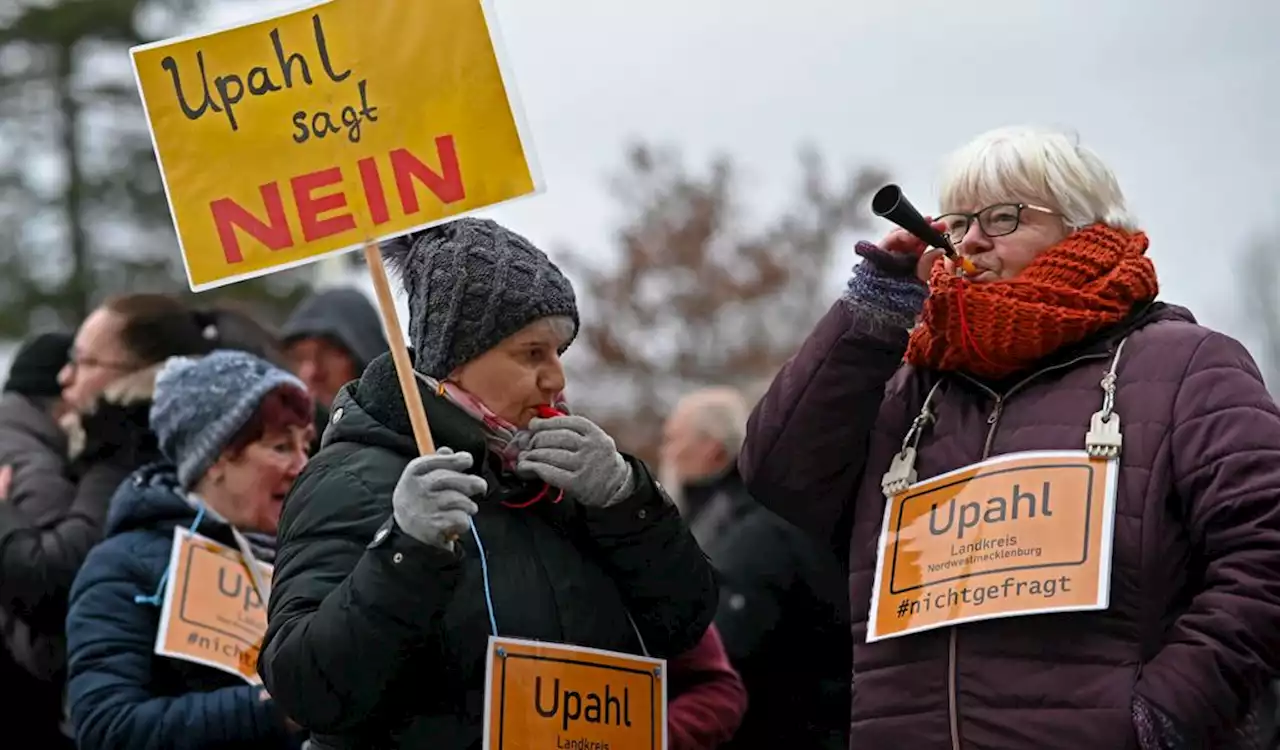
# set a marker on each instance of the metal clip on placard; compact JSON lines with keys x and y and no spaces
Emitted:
{"x":1104,"y":439}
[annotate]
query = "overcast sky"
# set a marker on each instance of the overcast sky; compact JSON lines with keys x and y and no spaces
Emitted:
{"x":1180,"y":96}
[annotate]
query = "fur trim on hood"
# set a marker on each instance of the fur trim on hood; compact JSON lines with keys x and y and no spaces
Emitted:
{"x":137,"y":387}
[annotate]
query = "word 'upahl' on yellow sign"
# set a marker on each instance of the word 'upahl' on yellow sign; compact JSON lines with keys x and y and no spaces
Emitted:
{"x":309,"y":133}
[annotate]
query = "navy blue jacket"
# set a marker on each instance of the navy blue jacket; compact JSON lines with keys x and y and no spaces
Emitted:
{"x":122,"y":695}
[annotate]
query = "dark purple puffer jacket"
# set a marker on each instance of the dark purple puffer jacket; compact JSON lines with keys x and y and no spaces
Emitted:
{"x":1194,"y":622}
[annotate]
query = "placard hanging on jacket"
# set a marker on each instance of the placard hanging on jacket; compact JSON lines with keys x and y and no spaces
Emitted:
{"x":212,"y":613}
{"x":1021,"y":534}
{"x":552,"y":696}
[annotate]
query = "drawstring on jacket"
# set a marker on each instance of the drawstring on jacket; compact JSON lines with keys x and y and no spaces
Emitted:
{"x":246,"y":552}
{"x":154,"y":599}
{"x":544,"y":412}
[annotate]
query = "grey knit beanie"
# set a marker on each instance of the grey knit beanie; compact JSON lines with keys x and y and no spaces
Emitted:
{"x":471,"y":283}
{"x":201,"y":403}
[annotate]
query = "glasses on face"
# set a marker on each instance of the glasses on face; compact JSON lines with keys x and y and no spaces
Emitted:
{"x":77,"y":361}
{"x":995,"y":221}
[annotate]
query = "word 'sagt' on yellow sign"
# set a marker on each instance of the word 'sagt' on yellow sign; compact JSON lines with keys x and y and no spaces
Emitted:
{"x":295,"y":137}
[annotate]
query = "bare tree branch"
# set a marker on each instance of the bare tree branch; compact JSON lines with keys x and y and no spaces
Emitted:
{"x":695,"y":298}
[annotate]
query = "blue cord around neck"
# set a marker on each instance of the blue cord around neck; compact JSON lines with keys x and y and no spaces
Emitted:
{"x":484,"y":570}
{"x":155,"y":599}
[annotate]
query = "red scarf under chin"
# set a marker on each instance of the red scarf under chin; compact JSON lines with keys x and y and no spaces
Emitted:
{"x":1089,"y":281}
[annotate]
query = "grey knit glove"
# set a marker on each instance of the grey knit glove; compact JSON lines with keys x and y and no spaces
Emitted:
{"x":432,"y":501}
{"x":575,"y":455}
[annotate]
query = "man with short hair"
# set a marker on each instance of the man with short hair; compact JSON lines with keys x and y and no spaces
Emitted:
{"x":783,"y":612}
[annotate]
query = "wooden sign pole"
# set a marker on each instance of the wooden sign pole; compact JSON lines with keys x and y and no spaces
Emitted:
{"x":399,"y":352}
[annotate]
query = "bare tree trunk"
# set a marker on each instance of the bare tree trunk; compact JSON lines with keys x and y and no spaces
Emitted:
{"x":79,"y":285}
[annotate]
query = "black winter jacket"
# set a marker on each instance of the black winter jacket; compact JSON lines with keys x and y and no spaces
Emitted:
{"x":31,"y":660}
{"x":783,"y":617}
{"x":44,"y":540}
{"x":378,"y":641}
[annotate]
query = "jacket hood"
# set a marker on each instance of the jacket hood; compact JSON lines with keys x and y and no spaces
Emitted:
{"x":371,"y":411}
{"x":152,"y":499}
{"x":344,"y":316}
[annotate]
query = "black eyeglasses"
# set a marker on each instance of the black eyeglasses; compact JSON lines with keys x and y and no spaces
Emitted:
{"x":76,"y":360}
{"x":995,"y":221}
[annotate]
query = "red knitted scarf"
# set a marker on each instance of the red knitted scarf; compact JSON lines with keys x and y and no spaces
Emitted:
{"x":1087,"y":282}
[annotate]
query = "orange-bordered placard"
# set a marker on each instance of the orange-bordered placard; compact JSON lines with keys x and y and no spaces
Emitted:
{"x":546,"y":695}
{"x":1020,"y":534}
{"x":211,"y":613}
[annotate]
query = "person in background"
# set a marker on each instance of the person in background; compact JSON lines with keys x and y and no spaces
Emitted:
{"x":330,"y":338}
{"x":1056,"y":336}
{"x":232,"y":328}
{"x":784,"y":612}
{"x":242,"y":332}
{"x":234,"y":432}
{"x":705,"y":697}
{"x":31,"y":443}
{"x":33,"y":455}
{"x":106,"y":393}
{"x":106,"y":389}
{"x":109,"y":380}
{"x":385,"y":594}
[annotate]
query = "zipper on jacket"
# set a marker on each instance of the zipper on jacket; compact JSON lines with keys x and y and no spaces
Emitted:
{"x":993,"y":422}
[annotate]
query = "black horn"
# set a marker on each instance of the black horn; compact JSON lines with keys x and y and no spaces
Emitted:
{"x":889,"y":203}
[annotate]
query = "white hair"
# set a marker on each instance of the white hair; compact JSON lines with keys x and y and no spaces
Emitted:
{"x":720,"y":414}
{"x":1035,"y":165}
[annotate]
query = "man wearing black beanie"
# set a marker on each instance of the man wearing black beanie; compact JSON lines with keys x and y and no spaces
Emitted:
{"x":33,"y":455}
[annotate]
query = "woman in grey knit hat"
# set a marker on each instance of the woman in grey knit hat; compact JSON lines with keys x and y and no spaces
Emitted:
{"x":382,"y":602}
{"x":234,"y":431}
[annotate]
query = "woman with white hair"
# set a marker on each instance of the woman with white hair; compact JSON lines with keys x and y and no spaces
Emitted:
{"x":993,"y":629}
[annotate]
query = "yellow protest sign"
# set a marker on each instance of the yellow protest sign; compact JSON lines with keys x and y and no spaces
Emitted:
{"x":305,"y":134}
{"x":1021,"y":534}
{"x":212,"y":613}
{"x":545,"y":695}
